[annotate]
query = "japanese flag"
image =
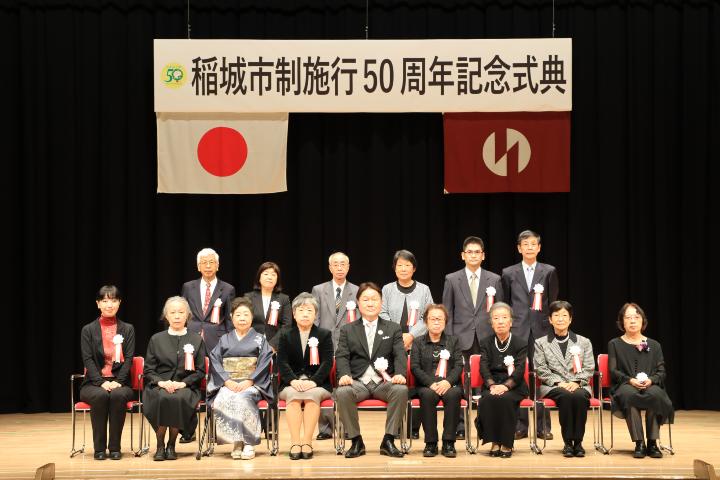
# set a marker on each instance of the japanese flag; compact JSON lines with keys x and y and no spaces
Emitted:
{"x":221,"y":152}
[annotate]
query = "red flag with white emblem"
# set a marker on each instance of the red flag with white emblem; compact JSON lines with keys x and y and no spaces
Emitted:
{"x":507,"y":152}
{"x":222,"y":152}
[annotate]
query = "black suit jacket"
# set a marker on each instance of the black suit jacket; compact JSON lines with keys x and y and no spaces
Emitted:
{"x":352,"y":356}
{"x":424,"y":363}
{"x":492,"y":365}
{"x":200,"y":323}
{"x":526,"y":321}
{"x":260,"y":324}
{"x":93,"y":354}
{"x":293,"y":364}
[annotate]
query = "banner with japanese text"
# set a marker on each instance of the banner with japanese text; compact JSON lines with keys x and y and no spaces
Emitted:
{"x":257,"y":76}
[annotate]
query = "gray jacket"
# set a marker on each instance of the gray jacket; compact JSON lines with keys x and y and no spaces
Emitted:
{"x":393,"y":302}
{"x":552,"y":367}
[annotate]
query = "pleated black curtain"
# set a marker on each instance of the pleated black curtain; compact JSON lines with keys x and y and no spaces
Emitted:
{"x":80,"y":208}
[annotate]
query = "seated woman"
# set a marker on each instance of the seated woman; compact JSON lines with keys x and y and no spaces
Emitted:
{"x":239,"y":379}
{"x":107,"y":346}
{"x":174,"y":367}
{"x":305,"y":358}
{"x":270,"y":307}
{"x":437,"y":363}
{"x":637,"y":371}
{"x":564,"y":363}
{"x":502,"y":366}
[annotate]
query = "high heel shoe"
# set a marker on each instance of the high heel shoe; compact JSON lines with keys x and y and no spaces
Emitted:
{"x":297,"y":455}
{"x":306,"y":455}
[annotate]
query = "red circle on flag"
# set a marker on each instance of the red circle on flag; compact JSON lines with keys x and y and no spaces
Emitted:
{"x":222,"y":151}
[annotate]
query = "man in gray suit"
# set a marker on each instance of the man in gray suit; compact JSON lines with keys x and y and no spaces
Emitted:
{"x":333,"y":297}
{"x":521,"y":282}
{"x":371,"y":363}
{"x":466,"y":295}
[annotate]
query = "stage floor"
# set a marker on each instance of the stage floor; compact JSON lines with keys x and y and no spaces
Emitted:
{"x":32,"y":440}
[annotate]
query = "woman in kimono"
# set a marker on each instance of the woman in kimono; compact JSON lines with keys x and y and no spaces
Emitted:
{"x":637,"y":370}
{"x":174,"y":367}
{"x":502,"y":366}
{"x":240,"y":377}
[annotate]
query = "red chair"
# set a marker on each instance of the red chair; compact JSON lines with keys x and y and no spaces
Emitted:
{"x":476,"y":382}
{"x":415,"y":402}
{"x":604,"y":384}
{"x":136,"y":383}
{"x":371,"y":404}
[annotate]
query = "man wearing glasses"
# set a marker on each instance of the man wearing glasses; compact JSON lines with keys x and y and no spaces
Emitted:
{"x":467,"y":295}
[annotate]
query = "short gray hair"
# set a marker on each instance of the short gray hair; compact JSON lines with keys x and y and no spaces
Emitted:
{"x":206,"y":252}
{"x":338,"y":254}
{"x":498,"y":306}
{"x":305,"y":299}
{"x":179,"y":300}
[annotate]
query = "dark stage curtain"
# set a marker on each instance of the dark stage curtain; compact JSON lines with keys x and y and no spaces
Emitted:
{"x":79,"y":181}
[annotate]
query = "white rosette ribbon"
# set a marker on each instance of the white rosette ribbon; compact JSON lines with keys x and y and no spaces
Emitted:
{"x":575,"y":351}
{"x":118,"y":341}
{"x":351,"y":306}
{"x":189,"y":359}
{"x":642,"y":377}
{"x":215,"y":316}
{"x":274,"y":313}
{"x":509,"y":362}
{"x":413,"y":313}
{"x":314,"y":353}
{"x":537,"y":297}
{"x":441,"y":370}
{"x":490,"y":295}
{"x":381,"y":365}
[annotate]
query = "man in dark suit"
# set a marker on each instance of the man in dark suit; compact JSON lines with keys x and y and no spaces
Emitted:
{"x":466,"y":295}
{"x":333,"y":297}
{"x":362,"y":347}
{"x":521,"y":283}
{"x":204,"y":295}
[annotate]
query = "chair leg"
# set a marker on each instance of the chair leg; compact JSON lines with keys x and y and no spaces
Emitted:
{"x":668,"y":448}
{"x":338,"y":432}
{"x":74,"y":451}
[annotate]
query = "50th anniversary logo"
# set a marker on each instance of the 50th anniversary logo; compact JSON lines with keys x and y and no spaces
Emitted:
{"x":173,"y":75}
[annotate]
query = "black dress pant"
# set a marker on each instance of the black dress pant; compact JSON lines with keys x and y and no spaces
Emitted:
{"x":428,"y":413}
{"x":572,"y":408}
{"x":106,"y":408}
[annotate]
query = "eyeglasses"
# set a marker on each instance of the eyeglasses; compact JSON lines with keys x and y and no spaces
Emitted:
{"x":473,"y":252}
{"x":207,"y":262}
{"x":632,"y":317}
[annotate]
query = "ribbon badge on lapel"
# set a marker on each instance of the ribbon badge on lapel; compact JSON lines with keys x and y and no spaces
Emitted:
{"x":414,"y":307}
{"x":189,"y":359}
{"x":509,"y":362}
{"x":575,"y":351}
{"x":537,"y":297}
{"x":490,"y":293}
{"x":118,"y":341}
{"x":350,"y":306}
{"x":381,"y":365}
{"x":441,"y":370}
{"x":274,"y":313}
{"x":314,"y":354}
{"x":215,"y":316}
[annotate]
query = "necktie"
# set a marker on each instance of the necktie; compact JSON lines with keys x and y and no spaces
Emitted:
{"x":206,"y":303}
{"x":473,"y":288}
{"x":337,"y":300}
{"x":528,"y":276}
{"x":370,"y":333}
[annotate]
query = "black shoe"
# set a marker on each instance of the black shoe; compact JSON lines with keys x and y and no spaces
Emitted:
{"x":448,"y":450}
{"x":520,"y":435}
{"x":544,"y":435}
{"x":652,"y":450}
{"x":295,"y":455}
{"x":323,"y":436}
{"x":387,"y":447}
{"x":115,"y":455}
{"x":170,"y":453}
{"x":357,"y":448}
{"x":100,"y":455}
{"x":494,"y":453}
{"x":306,"y":455}
{"x":507,"y":454}
{"x":415,"y":435}
{"x":578,"y":450}
{"x":460,"y":435}
{"x":640,"y":451}
{"x":184,"y":439}
{"x":568,"y":450}
{"x":430,"y":450}
{"x":159,"y":454}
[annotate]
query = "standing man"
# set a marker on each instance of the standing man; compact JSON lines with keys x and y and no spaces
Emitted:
{"x":371,"y":363}
{"x":467,"y":295}
{"x":530,"y":287}
{"x":333,"y":297}
{"x":209,"y":299}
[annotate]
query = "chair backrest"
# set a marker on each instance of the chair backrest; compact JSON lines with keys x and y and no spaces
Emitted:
{"x":476,"y":380}
{"x":203,"y":382}
{"x":136,"y":370}
{"x":410,"y":377}
{"x":602,"y":361}
{"x":527,"y":372}
{"x":333,"y":374}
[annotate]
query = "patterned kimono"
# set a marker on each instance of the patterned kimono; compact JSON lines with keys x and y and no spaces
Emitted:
{"x":237,"y":418}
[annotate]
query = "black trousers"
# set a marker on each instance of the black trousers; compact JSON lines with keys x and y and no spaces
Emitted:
{"x":428,"y":413}
{"x":572,"y":408}
{"x":106,"y":408}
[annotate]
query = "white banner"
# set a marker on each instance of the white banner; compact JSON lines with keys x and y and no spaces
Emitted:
{"x":255,"y":76}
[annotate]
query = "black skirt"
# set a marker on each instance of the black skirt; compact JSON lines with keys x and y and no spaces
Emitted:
{"x":170,"y":409}
{"x":497,"y":417}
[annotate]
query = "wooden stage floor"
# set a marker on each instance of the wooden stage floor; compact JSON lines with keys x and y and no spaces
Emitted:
{"x":31,"y":440}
